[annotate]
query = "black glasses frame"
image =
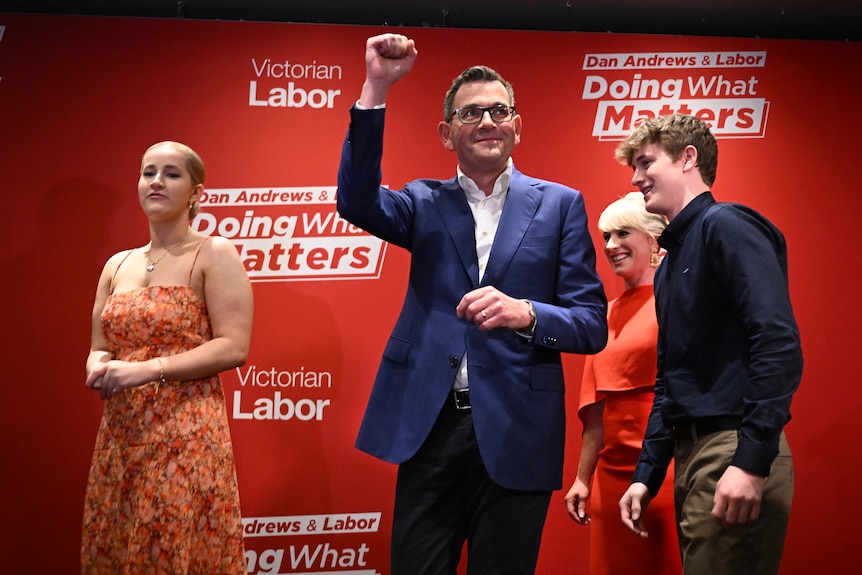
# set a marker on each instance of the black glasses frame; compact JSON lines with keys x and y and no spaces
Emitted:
{"x":510,"y":113}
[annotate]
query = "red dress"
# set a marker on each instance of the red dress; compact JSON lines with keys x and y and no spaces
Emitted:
{"x":162,"y":496}
{"x":623,"y":375}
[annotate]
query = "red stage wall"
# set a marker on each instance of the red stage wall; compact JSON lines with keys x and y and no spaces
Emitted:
{"x":266,"y":106}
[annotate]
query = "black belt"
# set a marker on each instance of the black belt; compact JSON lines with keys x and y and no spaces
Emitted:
{"x":699,"y":427}
{"x":460,"y":398}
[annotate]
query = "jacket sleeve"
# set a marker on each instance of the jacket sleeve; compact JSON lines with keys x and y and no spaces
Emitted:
{"x":575,"y":320}
{"x":361,"y":200}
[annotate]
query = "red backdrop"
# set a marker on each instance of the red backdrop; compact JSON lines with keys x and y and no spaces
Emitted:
{"x":266,"y":106}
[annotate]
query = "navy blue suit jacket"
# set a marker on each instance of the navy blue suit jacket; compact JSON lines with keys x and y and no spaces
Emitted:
{"x":542,"y":252}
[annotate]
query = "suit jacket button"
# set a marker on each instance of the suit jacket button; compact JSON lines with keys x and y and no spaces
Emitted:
{"x":453,"y":361}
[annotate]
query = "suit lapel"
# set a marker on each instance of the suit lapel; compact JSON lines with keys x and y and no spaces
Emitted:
{"x":521,"y":204}
{"x":458,"y":219}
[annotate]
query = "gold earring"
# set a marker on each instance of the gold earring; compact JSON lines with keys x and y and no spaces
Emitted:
{"x":654,"y":259}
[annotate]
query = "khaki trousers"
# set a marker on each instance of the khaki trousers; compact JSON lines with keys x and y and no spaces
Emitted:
{"x":711,"y":549}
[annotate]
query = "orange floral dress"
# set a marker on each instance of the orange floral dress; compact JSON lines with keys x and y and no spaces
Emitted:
{"x":162,"y":495}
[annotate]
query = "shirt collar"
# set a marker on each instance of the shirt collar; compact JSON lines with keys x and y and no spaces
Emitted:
{"x":501,"y":185}
{"x":674,"y":234}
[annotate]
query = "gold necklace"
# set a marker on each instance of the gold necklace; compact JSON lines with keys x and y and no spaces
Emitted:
{"x":152,"y":265}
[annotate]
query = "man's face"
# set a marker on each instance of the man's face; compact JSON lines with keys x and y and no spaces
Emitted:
{"x":660,"y":179}
{"x":483,"y":148}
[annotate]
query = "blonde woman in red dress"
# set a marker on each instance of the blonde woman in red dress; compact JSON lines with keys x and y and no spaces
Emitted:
{"x":162,"y":496}
{"x":616,"y":397}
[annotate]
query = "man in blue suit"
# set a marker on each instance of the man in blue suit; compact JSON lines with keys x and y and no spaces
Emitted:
{"x":469,"y":396}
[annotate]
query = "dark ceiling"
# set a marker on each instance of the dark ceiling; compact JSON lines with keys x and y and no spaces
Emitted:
{"x":839,"y":20}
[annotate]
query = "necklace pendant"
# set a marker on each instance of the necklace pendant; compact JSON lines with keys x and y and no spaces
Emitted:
{"x":152,"y":265}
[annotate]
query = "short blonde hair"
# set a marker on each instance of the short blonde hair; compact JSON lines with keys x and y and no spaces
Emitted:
{"x":629,"y":212}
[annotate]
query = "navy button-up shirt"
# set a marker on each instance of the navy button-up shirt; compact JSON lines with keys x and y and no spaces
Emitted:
{"x":728,"y":342}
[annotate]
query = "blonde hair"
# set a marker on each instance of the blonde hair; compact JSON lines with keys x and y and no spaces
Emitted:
{"x":630,"y":212}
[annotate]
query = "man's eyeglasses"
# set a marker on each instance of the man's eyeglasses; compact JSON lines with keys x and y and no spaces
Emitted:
{"x":474,"y":114}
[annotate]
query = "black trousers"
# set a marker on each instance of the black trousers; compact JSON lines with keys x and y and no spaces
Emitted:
{"x":445,"y":497}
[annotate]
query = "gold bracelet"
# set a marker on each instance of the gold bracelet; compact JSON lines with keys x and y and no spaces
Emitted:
{"x":162,"y":379}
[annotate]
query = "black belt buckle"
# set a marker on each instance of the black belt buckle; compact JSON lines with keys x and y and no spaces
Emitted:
{"x":461,"y":398}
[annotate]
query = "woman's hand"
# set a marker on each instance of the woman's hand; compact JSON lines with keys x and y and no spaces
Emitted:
{"x":576,"y":502}
{"x":114,"y":376}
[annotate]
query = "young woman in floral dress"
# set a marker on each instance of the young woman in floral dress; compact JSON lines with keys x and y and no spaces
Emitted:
{"x":169,"y":316}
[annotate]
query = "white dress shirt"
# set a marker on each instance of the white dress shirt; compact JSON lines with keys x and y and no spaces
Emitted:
{"x":486,"y":217}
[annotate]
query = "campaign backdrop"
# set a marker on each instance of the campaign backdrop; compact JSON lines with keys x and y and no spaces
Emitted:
{"x":266,"y":105}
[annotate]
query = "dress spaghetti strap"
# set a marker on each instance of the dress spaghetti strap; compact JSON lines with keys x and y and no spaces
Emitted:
{"x":122,"y":261}
{"x":197,"y":253}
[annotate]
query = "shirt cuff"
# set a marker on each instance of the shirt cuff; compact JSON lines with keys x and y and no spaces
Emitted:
{"x":361,"y":107}
{"x":528,"y":332}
